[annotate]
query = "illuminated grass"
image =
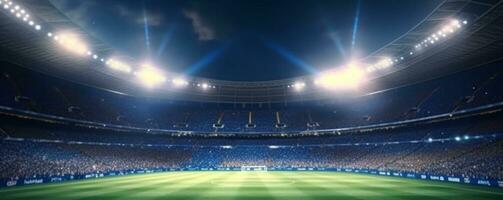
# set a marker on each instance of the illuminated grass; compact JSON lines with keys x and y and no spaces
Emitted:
{"x":251,"y":185}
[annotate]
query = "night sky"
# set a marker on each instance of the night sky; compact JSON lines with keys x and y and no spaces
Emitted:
{"x":248,"y":40}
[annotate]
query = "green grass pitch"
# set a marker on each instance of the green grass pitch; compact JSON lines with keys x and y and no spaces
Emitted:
{"x":251,"y":185}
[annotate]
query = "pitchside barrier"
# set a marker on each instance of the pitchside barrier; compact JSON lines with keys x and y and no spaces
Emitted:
{"x":4,"y":183}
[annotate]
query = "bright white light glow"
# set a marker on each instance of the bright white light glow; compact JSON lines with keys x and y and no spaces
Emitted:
{"x":72,"y":43}
{"x":150,"y":76}
{"x":179,"y":82}
{"x":204,"y":86}
{"x":119,"y":65}
{"x":299,"y":86}
{"x":347,"y":78}
{"x":384,"y":63}
{"x":37,"y":27}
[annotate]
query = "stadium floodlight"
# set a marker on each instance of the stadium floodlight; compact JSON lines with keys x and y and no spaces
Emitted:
{"x":348,"y":78}
{"x":273,"y":147}
{"x":38,"y":27}
{"x":299,"y":85}
{"x":384,"y":63}
{"x":204,"y":86}
{"x":72,"y":43}
{"x":457,"y":138}
{"x":118,"y":65}
{"x":150,"y":76}
{"x":179,"y":82}
{"x":455,"y":23}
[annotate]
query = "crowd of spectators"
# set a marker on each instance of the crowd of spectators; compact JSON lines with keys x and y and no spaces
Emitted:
{"x":454,"y":148}
{"x":32,"y":159}
{"x":473,"y":159}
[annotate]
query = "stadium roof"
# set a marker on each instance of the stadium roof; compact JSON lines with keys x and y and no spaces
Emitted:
{"x":479,"y":42}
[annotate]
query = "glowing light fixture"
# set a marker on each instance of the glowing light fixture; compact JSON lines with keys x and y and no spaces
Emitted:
{"x":179,"y":82}
{"x":348,"y":78}
{"x":298,"y":86}
{"x":72,"y":43}
{"x":205,"y":86}
{"x":150,"y":76}
{"x":118,"y":65}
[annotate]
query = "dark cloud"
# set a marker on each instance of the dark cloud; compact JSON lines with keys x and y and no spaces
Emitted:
{"x":200,"y":26}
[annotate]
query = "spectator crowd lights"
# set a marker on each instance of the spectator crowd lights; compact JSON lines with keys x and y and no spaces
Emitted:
{"x":348,"y":77}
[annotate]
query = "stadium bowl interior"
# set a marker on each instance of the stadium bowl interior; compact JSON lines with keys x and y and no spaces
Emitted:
{"x":82,"y":117}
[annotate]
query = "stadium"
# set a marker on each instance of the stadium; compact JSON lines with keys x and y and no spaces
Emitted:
{"x":306,"y":100}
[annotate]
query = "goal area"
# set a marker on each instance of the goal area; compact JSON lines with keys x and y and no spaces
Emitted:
{"x":254,"y":168}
